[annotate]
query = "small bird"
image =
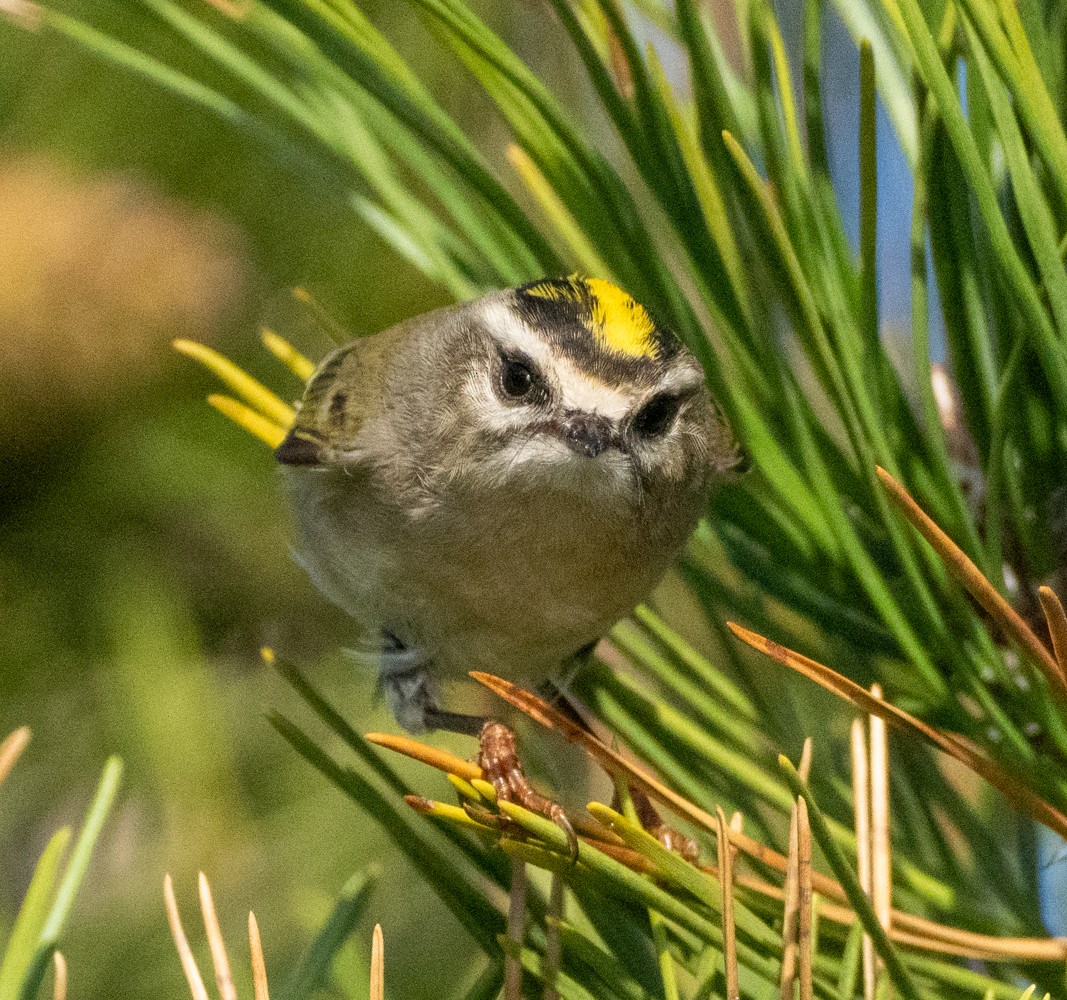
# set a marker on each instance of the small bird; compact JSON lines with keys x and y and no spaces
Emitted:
{"x":490,"y":486}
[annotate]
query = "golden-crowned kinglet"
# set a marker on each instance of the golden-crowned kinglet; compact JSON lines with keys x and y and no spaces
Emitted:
{"x":491,"y":485}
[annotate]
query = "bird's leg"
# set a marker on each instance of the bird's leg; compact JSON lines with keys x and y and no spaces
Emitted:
{"x":648,"y":816}
{"x":405,"y":681}
{"x":498,"y":757}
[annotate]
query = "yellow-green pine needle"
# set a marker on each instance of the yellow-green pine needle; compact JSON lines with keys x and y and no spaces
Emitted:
{"x":556,"y":212}
{"x":250,"y":420}
{"x":704,"y":183}
{"x":303,"y":368}
{"x":257,"y":395}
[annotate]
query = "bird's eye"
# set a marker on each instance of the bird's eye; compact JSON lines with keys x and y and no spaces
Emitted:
{"x":655,"y":417}
{"x":517,"y":378}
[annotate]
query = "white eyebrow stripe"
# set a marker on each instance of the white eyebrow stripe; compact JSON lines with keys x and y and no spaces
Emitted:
{"x":681,"y":380}
{"x":577,"y":391}
{"x":511,"y":333}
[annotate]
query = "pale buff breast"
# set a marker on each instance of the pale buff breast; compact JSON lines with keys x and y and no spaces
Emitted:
{"x":517,"y":583}
{"x":512,"y":582}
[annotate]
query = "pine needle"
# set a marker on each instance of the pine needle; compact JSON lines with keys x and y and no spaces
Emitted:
{"x":516,"y":931}
{"x":59,"y":980}
{"x":303,"y":368}
{"x":259,"y":965}
{"x":377,"y":965}
{"x":181,"y":943}
{"x":259,"y":426}
{"x":1056,"y":619}
{"x":881,"y":851}
{"x":253,"y":392}
{"x":791,"y":913}
{"x":805,"y":941}
{"x":861,"y":798}
{"x":337,"y":332}
{"x":1022,"y":798}
{"x":442,"y":760}
{"x":553,"y":952}
{"x":11,"y":749}
{"x":726,"y":880}
{"x":219,"y":958}
{"x":971,"y":578}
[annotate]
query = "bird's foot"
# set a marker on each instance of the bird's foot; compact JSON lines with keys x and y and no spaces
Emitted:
{"x":498,"y":758}
{"x":650,"y":819}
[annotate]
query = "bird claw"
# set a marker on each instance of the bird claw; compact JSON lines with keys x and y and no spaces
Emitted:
{"x":650,"y":819}
{"x":499,"y":760}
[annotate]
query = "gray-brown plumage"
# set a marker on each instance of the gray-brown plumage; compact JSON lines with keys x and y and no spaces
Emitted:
{"x":491,"y":485}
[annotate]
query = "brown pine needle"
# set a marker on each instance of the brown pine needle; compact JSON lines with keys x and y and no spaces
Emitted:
{"x":1022,"y":798}
{"x":59,"y":980}
{"x":790,"y":914}
{"x":925,"y":935}
{"x":259,"y":965}
{"x":971,"y":578}
{"x":917,"y":932}
{"x":11,"y":749}
{"x":441,"y":759}
{"x":861,"y":798}
{"x":219,"y":958}
{"x":181,"y":943}
{"x":1057,"y":625}
{"x":805,"y":944}
{"x":377,"y":965}
{"x":881,"y":853}
{"x":516,"y":931}
{"x":726,"y":880}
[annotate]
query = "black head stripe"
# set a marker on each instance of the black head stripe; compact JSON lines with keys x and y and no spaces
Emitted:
{"x":569,"y":315}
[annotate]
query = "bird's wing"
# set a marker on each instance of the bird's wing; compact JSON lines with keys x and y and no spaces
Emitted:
{"x":340,"y":397}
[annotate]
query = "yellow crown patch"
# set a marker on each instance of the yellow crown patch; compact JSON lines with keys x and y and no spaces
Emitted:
{"x":621,"y":322}
{"x":613,"y":316}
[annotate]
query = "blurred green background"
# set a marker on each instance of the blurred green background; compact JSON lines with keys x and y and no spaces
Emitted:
{"x":143,"y":542}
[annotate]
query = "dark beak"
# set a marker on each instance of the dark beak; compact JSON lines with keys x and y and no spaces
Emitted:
{"x":587,"y":434}
{"x":298,"y":449}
